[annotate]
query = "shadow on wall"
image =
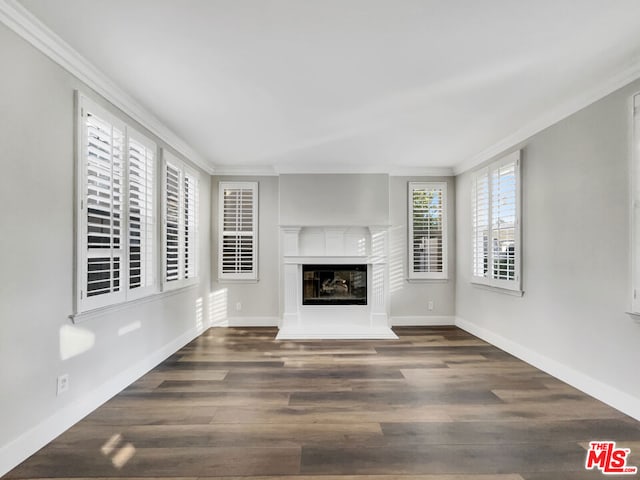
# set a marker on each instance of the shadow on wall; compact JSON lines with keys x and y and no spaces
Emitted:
{"x":396,"y":261}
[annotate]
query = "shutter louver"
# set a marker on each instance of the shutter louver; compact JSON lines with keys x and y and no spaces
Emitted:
{"x":480,"y":211}
{"x":104,"y":205}
{"x":173,"y":223}
{"x":141,"y":214}
{"x":190,"y":226}
{"x":180,"y":223}
{"x":238,"y":230}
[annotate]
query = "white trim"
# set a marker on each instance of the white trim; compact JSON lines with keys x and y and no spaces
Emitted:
{"x":270,"y":171}
{"x":248,"y":322}
{"x":19,"y":449}
{"x":555,"y":115}
{"x":622,"y":401}
{"x":116,"y":307}
{"x":30,"y":28}
{"x":421,"y":172}
{"x":493,"y":288}
{"x":423,"y":321}
{"x":245,"y":171}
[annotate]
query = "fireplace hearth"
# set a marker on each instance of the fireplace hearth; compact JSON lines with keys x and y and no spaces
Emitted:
{"x":334,"y":284}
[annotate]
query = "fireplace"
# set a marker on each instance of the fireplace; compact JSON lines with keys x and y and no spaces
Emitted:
{"x":334,"y":284}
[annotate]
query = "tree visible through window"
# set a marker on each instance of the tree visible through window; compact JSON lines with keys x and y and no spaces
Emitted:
{"x":496,"y":223}
{"x":427,"y":230}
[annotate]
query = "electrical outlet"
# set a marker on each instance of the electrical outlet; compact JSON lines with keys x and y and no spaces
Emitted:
{"x":238,"y":306}
{"x":430,"y":305}
{"x":63,"y":383}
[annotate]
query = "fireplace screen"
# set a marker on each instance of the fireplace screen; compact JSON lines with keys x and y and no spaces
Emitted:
{"x":334,"y":284}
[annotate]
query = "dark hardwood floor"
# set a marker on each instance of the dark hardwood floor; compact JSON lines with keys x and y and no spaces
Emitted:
{"x":437,"y":404}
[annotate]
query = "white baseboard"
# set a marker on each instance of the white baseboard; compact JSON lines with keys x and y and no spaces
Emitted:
{"x":34,"y":439}
{"x":248,"y":322}
{"x":423,"y":320}
{"x":619,"y":400}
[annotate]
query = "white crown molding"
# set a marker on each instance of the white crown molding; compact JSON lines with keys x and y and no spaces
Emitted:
{"x":551,"y":117}
{"x":253,"y":171}
{"x":267,"y":170}
{"x":421,"y":172}
{"x":26,"y":25}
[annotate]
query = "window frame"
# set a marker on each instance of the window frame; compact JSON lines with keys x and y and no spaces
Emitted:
{"x":515,"y":285}
{"x":169,"y":158}
{"x":239,"y":276}
{"x":634,"y":207}
{"x":412,"y":274}
{"x":83,"y":302}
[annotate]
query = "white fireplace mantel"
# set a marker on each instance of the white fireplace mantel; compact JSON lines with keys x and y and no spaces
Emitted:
{"x":335,"y":244}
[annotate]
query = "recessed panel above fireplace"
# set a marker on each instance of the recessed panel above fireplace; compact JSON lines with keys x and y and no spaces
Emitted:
{"x":334,"y":284}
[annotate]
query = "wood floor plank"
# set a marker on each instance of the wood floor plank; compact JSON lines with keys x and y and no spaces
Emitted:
{"x":436,"y":404}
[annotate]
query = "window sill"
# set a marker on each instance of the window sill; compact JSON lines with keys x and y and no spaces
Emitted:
{"x":634,"y":316}
{"x":427,"y":280}
{"x":238,"y":280}
{"x":504,"y":291}
{"x":99,"y":312}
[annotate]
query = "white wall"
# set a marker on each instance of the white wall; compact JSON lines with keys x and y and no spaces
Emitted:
{"x":410,"y":300}
{"x":571,"y":320}
{"x":36,"y":287}
{"x":259,"y":300}
{"x":334,"y":199}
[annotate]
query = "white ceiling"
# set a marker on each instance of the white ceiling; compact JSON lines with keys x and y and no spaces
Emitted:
{"x":350,"y":85}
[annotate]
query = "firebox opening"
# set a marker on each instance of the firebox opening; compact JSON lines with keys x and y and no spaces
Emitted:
{"x":334,"y":284}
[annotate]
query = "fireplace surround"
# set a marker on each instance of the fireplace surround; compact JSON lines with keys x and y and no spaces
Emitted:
{"x":335,"y":282}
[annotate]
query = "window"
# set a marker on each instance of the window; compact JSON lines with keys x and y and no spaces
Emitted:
{"x":427,"y":230}
{"x":635,"y":209}
{"x":180,"y":208}
{"x":116,"y":216}
{"x":496,"y":223}
{"x":238,"y":231}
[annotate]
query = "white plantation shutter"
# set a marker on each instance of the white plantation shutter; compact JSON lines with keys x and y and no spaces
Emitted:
{"x":190,"y":226}
{"x":427,"y":230}
{"x":480,"y":218}
{"x":101,"y":210}
{"x":116,"y":211}
{"x":237,"y":257}
{"x":496,"y":223}
{"x":142,"y":225}
{"x":180,"y":223}
{"x":172,"y":224}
